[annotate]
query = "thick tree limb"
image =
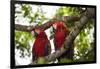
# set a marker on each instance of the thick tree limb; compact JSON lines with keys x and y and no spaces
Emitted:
{"x":90,"y":13}
{"x":23,"y":27}
{"x":45,"y":25}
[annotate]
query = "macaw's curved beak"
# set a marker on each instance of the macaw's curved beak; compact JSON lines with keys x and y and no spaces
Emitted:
{"x":34,"y":33}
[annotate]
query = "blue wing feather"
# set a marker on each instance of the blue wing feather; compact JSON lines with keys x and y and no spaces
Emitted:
{"x":46,"y":50}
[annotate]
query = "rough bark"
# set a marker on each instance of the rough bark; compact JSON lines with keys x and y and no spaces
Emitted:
{"x":45,"y":25}
{"x":90,"y":13}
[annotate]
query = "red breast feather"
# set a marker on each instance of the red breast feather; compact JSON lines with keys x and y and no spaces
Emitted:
{"x":60,"y":35}
{"x":40,"y":44}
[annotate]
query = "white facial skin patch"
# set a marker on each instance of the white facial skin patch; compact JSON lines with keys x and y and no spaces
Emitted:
{"x":55,"y":26}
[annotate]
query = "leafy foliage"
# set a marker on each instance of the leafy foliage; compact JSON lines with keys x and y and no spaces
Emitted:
{"x":22,"y":42}
{"x":84,"y":43}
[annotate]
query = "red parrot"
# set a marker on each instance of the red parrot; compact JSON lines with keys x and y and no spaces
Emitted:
{"x":61,"y":32}
{"x":41,"y":47}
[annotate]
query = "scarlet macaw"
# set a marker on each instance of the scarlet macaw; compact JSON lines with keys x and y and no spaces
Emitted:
{"x":41,"y":47}
{"x":61,"y":32}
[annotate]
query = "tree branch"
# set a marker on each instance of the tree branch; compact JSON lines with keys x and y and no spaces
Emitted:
{"x":90,"y":13}
{"x":45,"y":25}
